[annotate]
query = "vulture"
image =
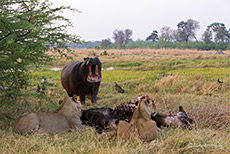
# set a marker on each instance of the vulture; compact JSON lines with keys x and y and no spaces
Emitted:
{"x":118,"y":88}
{"x":218,"y":80}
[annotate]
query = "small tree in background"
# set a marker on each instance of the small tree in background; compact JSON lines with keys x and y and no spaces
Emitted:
{"x":128,"y":34}
{"x":186,"y":31}
{"x":104,"y":44}
{"x":166,"y":34}
{"x":28,"y":30}
{"x":122,"y":37}
{"x":153,"y":37}
{"x":220,"y":32}
{"x":207,"y":36}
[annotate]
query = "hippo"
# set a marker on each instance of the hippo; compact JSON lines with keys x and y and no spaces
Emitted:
{"x":82,"y":78}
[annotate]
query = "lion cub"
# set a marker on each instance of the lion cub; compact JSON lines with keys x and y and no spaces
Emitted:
{"x":141,"y":124}
{"x":66,"y":117}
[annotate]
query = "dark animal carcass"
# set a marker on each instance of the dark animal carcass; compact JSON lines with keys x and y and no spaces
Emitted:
{"x":107,"y":118}
{"x":181,"y":119}
{"x":82,"y":78}
{"x":100,"y":118}
{"x":125,"y":110}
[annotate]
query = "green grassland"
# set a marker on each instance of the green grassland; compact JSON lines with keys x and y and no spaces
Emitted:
{"x":190,"y":81}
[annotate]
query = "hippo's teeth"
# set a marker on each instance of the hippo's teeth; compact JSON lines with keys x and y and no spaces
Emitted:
{"x":96,"y":70}
{"x":90,"y":71}
{"x":88,"y":78}
{"x":93,"y":78}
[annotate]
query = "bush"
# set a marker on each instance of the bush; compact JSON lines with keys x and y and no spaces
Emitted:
{"x":29,"y":34}
{"x":104,"y":53}
{"x":182,"y":45}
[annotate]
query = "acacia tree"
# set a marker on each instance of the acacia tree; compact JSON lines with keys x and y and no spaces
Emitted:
{"x":29,"y":34}
{"x":207,"y":36}
{"x":128,"y":33}
{"x":122,"y":37}
{"x":186,"y":30}
{"x":104,"y":44}
{"x":153,"y":37}
{"x":220,"y":32}
{"x":166,"y":34}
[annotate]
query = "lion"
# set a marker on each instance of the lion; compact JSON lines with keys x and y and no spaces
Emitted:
{"x":141,"y":124}
{"x":65,"y":118}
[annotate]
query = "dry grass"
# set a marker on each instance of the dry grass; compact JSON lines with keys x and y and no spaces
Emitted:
{"x":147,"y":51}
{"x":214,"y":116}
{"x":172,"y":77}
{"x":124,"y":55}
{"x":86,"y":141}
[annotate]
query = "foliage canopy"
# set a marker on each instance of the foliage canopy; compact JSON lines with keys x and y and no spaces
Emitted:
{"x":30,"y":33}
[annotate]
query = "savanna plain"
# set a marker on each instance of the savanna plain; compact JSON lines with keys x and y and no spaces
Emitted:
{"x":172,"y":77}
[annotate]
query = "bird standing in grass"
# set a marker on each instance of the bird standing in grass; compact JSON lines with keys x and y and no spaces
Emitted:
{"x":218,"y":80}
{"x":118,"y":88}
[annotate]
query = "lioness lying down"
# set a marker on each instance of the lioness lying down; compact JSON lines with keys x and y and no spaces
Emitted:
{"x":65,"y":118}
{"x":141,"y":124}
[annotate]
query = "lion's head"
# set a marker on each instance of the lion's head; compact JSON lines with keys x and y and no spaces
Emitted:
{"x":70,"y":105}
{"x":145,"y":108}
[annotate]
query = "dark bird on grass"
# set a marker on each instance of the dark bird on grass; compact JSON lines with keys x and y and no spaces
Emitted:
{"x":118,"y":88}
{"x":218,"y":80}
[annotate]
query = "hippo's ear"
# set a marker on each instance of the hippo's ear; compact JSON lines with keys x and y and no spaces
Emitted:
{"x":86,"y":58}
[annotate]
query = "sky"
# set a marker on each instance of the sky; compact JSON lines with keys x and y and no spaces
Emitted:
{"x":99,"y":18}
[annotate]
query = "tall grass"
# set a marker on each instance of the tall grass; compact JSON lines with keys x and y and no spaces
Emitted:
{"x":86,"y":141}
{"x":172,"y":77}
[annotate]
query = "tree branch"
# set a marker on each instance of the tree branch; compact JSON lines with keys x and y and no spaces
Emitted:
{"x":5,"y":36}
{"x":25,"y":33}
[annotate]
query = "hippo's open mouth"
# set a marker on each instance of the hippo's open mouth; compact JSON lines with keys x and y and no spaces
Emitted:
{"x":93,"y":74}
